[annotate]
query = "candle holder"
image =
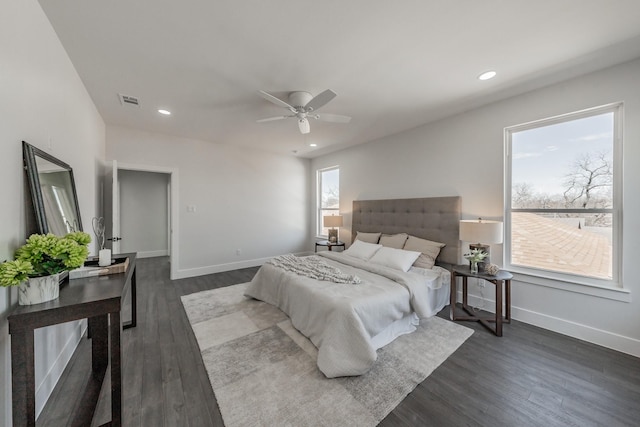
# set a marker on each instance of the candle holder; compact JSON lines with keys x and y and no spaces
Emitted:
{"x":104,"y":255}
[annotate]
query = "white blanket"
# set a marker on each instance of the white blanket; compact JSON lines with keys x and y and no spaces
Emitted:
{"x":342,"y":319}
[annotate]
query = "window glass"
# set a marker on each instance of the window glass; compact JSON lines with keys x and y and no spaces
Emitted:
{"x":562,"y":212}
{"x":328,"y":196}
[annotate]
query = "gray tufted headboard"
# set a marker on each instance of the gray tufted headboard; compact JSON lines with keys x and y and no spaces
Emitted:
{"x":432,"y":218}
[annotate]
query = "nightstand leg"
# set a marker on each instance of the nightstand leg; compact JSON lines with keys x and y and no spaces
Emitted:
{"x":464,"y":291}
{"x":499,"y":308}
{"x":453,"y":293}
{"x":507,"y":297}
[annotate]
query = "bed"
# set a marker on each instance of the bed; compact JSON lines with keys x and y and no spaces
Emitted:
{"x":348,"y":321}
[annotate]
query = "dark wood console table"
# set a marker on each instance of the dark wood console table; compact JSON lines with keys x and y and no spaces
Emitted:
{"x":98,"y":299}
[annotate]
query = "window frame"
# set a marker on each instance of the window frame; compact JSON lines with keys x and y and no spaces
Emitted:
{"x":567,"y":281}
{"x":319,"y":207}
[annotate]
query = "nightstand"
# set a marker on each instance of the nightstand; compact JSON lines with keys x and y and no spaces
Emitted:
{"x":329,"y":245}
{"x":500,"y":280}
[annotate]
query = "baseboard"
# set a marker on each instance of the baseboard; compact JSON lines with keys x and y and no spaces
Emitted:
{"x":45,"y":388}
{"x":152,"y":254}
{"x":219,"y":268}
{"x":566,"y":327}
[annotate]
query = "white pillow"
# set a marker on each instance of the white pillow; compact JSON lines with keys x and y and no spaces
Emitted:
{"x":362,"y":250}
{"x":395,"y":258}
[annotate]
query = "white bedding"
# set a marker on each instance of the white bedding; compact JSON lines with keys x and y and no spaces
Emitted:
{"x":349,"y":322}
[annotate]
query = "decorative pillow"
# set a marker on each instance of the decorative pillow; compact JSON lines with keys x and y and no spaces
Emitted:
{"x":429,"y":251}
{"x":395,"y":241}
{"x":362,"y":250}
{"x":395,"y":258}
{"x":367,"y":237}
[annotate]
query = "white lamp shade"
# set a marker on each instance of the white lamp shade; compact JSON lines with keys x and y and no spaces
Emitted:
{"x":481,"y":231}
{"x":332,"y":221}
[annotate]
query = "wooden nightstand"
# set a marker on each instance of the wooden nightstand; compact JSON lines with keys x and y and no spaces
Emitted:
{"x":502,"y":278}
{"x":329,"y":245}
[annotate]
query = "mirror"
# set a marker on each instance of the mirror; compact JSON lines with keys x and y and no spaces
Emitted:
{"x":53,"y":192}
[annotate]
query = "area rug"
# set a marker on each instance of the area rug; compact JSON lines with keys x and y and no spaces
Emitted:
{"x":263,"y":371}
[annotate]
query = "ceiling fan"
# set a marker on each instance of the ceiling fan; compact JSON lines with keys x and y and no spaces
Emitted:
{"x":303,"y":106}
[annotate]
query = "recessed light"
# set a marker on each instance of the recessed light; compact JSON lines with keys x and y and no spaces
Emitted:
{"x":313,"y":145}
{"x":165,"y":112}
{"x":487,"y":75}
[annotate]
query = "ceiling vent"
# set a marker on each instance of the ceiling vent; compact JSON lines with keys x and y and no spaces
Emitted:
{"x":129,"y":100}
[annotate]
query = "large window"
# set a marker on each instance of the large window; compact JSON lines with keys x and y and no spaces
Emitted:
{"x":563,"y":199}
{"x":328,"y":195}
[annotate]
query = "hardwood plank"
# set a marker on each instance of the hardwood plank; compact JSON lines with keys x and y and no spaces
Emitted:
{"x":528,"y":377}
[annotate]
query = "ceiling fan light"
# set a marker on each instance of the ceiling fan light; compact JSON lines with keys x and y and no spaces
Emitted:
{"x":303,"y":125}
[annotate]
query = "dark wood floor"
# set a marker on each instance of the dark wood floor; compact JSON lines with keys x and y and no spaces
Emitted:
{"x":529,"y":377}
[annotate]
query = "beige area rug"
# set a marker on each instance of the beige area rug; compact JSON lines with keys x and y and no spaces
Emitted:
{"x":263,"y":371}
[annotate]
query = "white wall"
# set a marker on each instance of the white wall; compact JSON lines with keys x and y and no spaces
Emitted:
{"x":463,"y":155}
{"x":144,"y":213}
{"x":247,"y":200}
{"x":43,"y":102}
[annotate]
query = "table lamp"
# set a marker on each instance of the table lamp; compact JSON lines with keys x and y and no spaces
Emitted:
{"x":485,"y":233}
{"x":332,"y":221}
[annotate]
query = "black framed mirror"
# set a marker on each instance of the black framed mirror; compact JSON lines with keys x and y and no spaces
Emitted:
{"x":53,"y":192}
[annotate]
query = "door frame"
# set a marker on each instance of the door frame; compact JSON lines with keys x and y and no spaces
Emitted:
{"x":174,"y":230}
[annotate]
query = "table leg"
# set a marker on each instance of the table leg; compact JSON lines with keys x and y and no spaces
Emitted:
{"x":134,"y":304}
{"x":465,"y":291}
{"x":115,"y":327}
{"x":499,"y":307}
{"x":507,"y":296}
{"x":453,"y":296}
{"x":99,"y":343}
{"x":23,"y":378}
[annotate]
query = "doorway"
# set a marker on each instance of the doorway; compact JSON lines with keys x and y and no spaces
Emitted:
{"x":140,"y":207}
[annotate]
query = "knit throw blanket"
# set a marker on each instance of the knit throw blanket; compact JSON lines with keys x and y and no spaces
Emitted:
{"x":313,"y":267}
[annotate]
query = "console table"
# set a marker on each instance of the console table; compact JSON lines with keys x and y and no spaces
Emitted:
{"x":98,"y":299}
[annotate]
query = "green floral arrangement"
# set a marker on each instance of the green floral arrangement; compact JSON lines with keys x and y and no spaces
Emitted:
{"x":44,"y":255}
{"x":476,"y":255}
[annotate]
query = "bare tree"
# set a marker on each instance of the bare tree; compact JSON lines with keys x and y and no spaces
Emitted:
{"x":589,"y":178}
{"x":522,"y":195}
{"x":330,"y":197}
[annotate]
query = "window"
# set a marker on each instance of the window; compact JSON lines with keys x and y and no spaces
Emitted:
{"x":328,"y":195}
{"x":563,"y":204}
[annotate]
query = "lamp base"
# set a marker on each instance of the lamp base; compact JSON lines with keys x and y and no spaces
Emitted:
{"x":333,"y":235}
{"x":482,"y":264}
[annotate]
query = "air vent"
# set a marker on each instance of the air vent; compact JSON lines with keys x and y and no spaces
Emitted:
{"x":129,"y":100}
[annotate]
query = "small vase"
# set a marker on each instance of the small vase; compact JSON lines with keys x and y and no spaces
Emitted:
{"x":39,"y":289}
{"x":474,"y":267}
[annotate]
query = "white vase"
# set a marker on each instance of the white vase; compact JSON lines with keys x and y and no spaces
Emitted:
{"x":39,"y":289}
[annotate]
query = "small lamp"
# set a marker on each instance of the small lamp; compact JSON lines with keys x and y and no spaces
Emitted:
{"x":484,"y":232}
{"x":332,"y":221}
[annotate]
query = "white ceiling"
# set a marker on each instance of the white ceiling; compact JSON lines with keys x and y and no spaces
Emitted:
{"x":394,"y":65}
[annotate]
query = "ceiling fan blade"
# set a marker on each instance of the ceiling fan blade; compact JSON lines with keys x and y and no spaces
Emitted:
{"x":269,"y":119}
{"x":319,"y":100}
{"x":279,"y":102}
{"x":334,"y":118}
{"x":303,"y":125}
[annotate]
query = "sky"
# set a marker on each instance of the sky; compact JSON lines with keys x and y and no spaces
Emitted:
{"x":544,"y":155}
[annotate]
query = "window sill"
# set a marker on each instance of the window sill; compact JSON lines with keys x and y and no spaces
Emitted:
{"x":616,"y":294}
